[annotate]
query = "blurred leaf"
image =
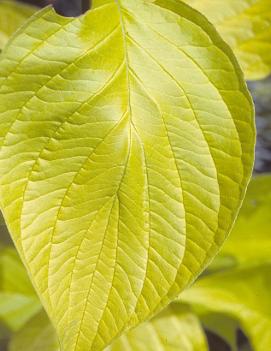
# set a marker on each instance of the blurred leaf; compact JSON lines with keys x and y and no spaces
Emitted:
{"x":222,"y":325}
{"x":175,"y":329}
{"x":18,"y":300}
{"x":240,"y":293}
{"x":36,"y":335}
{"x":12,"y":15}
{"x":250,"y":241}
{"x":246,"y":26}
{"x":5,"y":238}
{"x":243,"y":292}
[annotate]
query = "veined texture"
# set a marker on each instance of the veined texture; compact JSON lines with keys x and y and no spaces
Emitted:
{"x":127,"y":140}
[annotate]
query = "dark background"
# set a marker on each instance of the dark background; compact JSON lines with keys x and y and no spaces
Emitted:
{"x":64,"y":7}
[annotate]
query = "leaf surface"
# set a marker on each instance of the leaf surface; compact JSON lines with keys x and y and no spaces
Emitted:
{"x":246,"y":26}
{"x":127,"y":140}
{"x":12,"y":15}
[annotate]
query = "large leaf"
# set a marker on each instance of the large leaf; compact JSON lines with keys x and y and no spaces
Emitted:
{"x":246,"y":27}
{"x":127,"y":140}
{"x":18,"y":301}
{"x":242,"y":293}
{"x":12,"y":15}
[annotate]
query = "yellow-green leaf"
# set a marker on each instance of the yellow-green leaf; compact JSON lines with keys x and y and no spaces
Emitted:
{"x":36,"y":335}
{"x":243,"y":293}
{"x":18,"y":301}
{"x":223,"y":326}
{"x":249,"y":243}
{"x":175,"y":329}
{"x":12,"y":15}
{"x":246,"y":26}
{"x":127,"y":140}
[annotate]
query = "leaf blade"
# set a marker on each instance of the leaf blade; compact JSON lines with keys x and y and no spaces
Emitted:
{"x":108,"y":197}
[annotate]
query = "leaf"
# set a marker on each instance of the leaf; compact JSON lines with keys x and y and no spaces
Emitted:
{"x":12,"y":16}
{"x":223,"y":326}
{"x":176,"y":328}
{"x":250,"y":242}
{"x":127,"y":140}
{"x":4,"y":234}
{"x":37,"y":335}
{"x":18,"y":301}
{"x":243,"y":294}
{"x":246,"y":26}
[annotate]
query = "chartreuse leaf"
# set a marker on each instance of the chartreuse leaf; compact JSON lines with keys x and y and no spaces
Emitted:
{"x":223,"y":326}
{"x":127,"y":140}
{"x":246,"y":26}
{"x":243,"y":293}
{"x":18,"y":300}
{"x":12,"y":15}
{"x":36,"y":335}
{"x":175,"y":329}
{"x":4,"y":234}
{"x":250,"y":241}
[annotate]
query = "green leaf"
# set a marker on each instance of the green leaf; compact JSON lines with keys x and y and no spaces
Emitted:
{"x":240,"y":293}
{"x":223,"y":326}
{"x":243,"y":292}
{"x":246,"y":26}
{"x":37,"y":335}
{"x":249,"y":243}
{"x":127,"y":140}
{"x":175,"y":329}
{"x":12,"y":16}
{"x":18,"y":301}
{"x":4,"y":234}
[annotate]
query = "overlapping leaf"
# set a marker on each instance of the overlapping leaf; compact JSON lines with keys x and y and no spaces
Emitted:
{"x":127,"y":142}
{"x":12,"y":15}
{"x":243,"y":291}
{"x":246,"y":26}
{"x":177,"y":328}
{"x":36,"y":335}
{"x":250,"y":241}
{"x":18,"y":301}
